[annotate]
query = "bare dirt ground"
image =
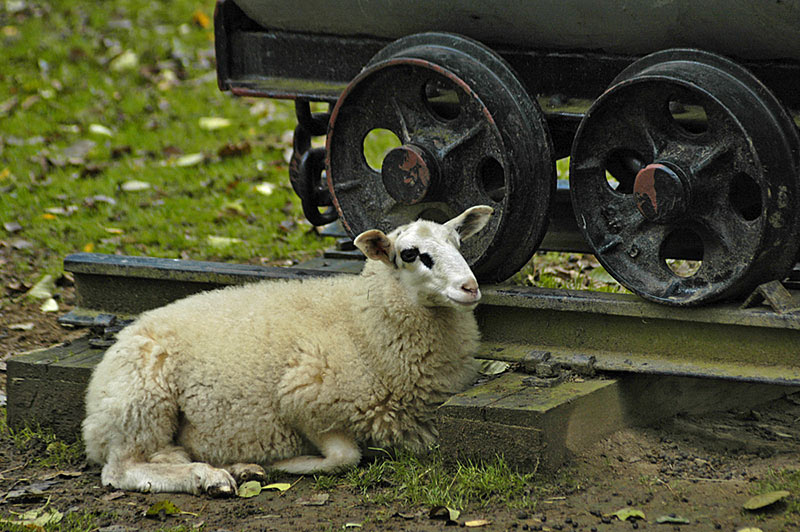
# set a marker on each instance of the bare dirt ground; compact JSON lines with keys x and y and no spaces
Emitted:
{"x":694,"y":472}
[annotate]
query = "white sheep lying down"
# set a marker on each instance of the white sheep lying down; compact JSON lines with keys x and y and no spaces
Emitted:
{"x":296,"y":375}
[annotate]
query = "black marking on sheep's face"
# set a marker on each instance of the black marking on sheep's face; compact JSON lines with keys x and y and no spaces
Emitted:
{"x":410,"y":255}
{"x":426,"y":259}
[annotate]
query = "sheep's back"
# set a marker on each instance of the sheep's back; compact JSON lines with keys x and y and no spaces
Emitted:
{"x":254,"y":325}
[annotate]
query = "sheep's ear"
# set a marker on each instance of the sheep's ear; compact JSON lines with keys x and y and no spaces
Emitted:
{"x":470,"y":221}
{"x":376,"y":246}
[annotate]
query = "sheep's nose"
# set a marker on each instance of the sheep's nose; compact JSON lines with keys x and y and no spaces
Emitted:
{"x":471,"y":287}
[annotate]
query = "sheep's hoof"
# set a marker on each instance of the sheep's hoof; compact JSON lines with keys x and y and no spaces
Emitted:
{"x":221,"y":491}
{"x":246,"y":472}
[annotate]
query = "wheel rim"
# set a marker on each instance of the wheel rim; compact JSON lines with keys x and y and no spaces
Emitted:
{"x":705,"y":162}
{"x":469,"y":134}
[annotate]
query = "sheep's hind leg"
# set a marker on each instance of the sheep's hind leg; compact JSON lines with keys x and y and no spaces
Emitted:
{"x":338,"y":452}
{"x":168,"y":471}
{"x":246,"y":472}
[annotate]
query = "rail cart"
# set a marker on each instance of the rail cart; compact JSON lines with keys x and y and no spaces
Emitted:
{"x":680,"y":119}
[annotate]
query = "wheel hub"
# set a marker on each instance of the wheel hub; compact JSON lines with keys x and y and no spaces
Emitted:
{"x":408,"y":173}
{"x":660,"y":193}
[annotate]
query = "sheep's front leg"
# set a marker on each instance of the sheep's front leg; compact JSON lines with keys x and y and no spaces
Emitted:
{"x":192,"y":477}
{"x":338,"y":452}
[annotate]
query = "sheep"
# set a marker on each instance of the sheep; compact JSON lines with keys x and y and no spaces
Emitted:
{"x":296,"y":375}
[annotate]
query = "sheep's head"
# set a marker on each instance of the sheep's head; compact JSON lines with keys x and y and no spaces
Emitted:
{"x":426,"y":258}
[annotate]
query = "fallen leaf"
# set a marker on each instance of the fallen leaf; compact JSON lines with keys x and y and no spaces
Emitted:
{"x":93,"y":169}
{"x":673,"y":520}
{"x":27,"y":326}
{"x":476,"y":523}
{"x":113,"y":496}
{"x":212,"y":123}
{"x":171,"y":151}
{"x":265,"y":188}
{"x":77,"y":151}
{"x":222,"y":241}
{"x":749,"y":529}
{"x":280,"y":486}
{"x":36,"y":519}
{"x":8,"y":105}
{"x":165,"y":507}
{"x":44,"y":288}
{"x":623,"y":514}
{"x":234,"y":207}
{"x":493,"y":367}
{"x":35,"y":490}
{"x":318,"y":499}
{"x":249,"y":489}
{"x":69,"y":128}
{"x":234,"y":149}
{"x":19,"y":243}
{"x":30,"y":101}
{"x":49,"y":216}
{"x":12,"y":227}
{"x":69,"y":210}
{"x":191,"y":159}
{"x":16,"y":286}
{"x":99,"y":198}
{"x":99,"y":129}
{"x":50,"y":305}
{"x":444,"y":512}
{"x":127,"y":60}
{"x":114,"y":230}
{"x":287,"y":226}
{"x":134,"y":186}
{"x":352,"y":525}
{"x":62,"y":474}
{"x":765,"y":499}
{"x":201,"y":19}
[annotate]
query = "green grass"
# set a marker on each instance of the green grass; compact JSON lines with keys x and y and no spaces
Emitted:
{"x":49,"y":450}
{"x":782,"y":479}
{"x":428,"y":481}
{"x":572,"y":271}
{"x":58,"y":81}
{"x":78,"y":522}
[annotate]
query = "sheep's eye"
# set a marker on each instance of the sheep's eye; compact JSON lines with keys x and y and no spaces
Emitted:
{"x":409,"y":255}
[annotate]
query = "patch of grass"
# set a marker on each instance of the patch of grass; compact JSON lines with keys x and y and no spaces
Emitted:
{"x":78,"y":522}
{"x":63,"y":179}
{"x":70,"y":522}
{"x":427,"y":481}
{"x":49,"y":450}
{"x":782,"y":479}
{"x":572,"y":271}
{"x":325,"y":482}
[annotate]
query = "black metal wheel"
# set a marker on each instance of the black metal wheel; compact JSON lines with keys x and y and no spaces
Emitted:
{"x":688,"y":156}
{"x":468,"y":133}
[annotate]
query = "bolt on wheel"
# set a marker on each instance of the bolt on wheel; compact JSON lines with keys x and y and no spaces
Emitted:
{"x":454,"y":128}
{"x":684,"y":177}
